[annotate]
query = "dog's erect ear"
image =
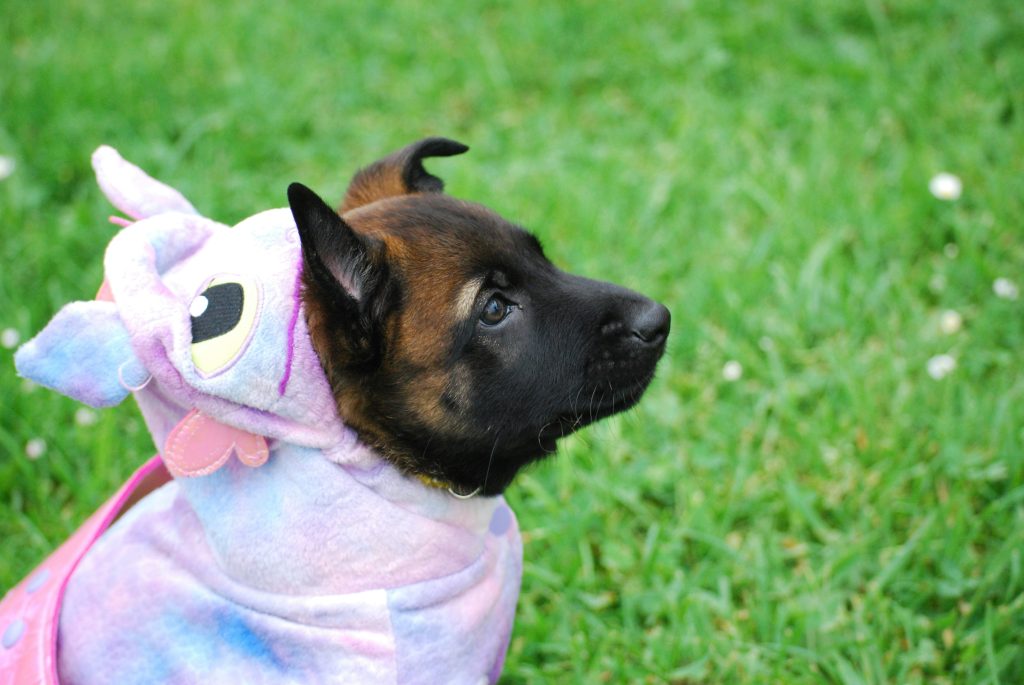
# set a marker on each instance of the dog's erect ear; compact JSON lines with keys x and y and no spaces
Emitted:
{"x":334,"y":256}
{"x":342,"y":275}
{"x":400,"y":173}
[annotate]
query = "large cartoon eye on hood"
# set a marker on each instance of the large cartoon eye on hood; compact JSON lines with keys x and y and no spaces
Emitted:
{"x":224,"y":316}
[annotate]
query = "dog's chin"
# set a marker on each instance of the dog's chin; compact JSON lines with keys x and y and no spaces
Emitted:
{"x":482,"y":463}
{"x":601,"y":401}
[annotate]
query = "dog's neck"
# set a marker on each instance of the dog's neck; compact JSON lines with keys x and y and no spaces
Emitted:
{"x":313,"y":521}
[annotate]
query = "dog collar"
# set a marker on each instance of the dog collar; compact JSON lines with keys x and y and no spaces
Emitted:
{"x":450,"y":487}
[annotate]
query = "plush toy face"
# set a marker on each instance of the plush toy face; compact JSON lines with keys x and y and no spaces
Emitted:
{"x":229,"y":310}
{"x":208,"y":313}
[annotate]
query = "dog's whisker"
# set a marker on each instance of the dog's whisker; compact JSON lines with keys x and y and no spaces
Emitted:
{"x":576,"y":401}
{"x":490,"y":460}
{"x":590,"y":406}
{"x":541,"y":432}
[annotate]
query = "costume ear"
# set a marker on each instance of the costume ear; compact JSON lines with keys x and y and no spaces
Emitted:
{"x":400,"y":173}
{"x":132,"y":190}
{"x":84,"y":353}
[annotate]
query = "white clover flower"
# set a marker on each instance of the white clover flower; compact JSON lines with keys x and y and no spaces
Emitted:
{"x":1005,"y":288}
{"x":950,"y":322}
{"x":9,"y":338}
{"x":732,"y":371}
{"x":951,"y":250}
{"x":940,"y":366}
{"x":86,"y":417}
{"x":945,"y":186}
{"x":35,"y":448}
{"x":6,"y":166}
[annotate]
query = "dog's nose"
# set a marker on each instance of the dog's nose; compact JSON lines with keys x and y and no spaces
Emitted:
{"x":651,"y":323}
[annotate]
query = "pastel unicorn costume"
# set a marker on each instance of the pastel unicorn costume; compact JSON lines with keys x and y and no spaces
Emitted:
{"x":283,"y":550}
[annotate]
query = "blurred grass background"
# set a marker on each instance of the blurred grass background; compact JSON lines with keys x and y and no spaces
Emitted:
{"x":834,"y":515}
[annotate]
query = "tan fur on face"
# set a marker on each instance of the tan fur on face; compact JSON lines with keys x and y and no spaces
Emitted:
{"x":466,"y":298}
{"x":392,"y":352}
{"x":438,"y":293}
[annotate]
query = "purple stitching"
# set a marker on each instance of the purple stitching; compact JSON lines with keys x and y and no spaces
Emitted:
{"x":291,"y":331}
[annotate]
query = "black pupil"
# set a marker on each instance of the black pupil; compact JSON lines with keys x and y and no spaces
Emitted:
{"x":223,"y":312}
{"x":494,"y":311}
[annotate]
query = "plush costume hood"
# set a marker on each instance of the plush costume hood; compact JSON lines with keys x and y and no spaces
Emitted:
{"x":255,"y":369}
{"x":283,"y":550}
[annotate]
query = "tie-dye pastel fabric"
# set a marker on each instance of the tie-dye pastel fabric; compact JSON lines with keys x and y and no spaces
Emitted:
{"x":321,"y":565}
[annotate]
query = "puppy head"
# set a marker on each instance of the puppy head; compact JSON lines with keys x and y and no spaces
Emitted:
{"x":452,"y":344}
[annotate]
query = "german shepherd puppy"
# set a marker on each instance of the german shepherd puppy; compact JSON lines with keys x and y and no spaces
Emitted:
{"x":452,"y":344}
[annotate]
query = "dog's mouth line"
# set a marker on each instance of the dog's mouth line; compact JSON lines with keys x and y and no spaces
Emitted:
{"x":598,"y":404}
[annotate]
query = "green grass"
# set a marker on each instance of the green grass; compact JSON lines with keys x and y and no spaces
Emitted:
{"x":835,"y":515}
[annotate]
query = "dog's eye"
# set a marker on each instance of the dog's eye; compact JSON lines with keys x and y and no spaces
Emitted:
{"x":495,"y":311}
{"x":223,"y":316}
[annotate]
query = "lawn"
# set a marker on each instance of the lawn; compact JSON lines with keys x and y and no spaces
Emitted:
{"x":821,"y":510}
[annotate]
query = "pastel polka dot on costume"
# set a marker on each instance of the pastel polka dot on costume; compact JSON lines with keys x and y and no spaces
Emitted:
{"x":13,"y":633}
{"x":501,"y":520}
{"x":37,"y":581}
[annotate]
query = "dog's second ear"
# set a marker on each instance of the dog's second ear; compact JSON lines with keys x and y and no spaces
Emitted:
{"x":400,"y":173}
{"x":341,"y":276}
